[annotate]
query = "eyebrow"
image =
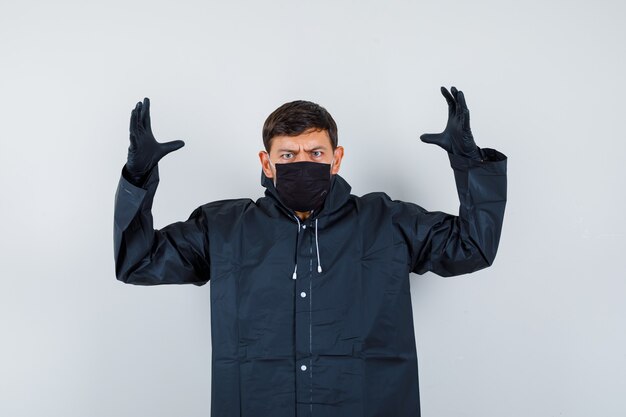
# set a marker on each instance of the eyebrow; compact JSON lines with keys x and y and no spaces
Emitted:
{"x":317,"y":148}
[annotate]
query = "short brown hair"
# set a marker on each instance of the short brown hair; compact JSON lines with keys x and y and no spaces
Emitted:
{"x":296,"y":117}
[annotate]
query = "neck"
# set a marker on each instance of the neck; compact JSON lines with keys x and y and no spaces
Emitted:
{"x":303,"y":215}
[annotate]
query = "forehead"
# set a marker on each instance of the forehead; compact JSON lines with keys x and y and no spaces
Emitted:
{"x":306,"y":140}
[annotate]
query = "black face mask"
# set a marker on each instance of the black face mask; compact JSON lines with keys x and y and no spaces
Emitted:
{"x":303,"y":186}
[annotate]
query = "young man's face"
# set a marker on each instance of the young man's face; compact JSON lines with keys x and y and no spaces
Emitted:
{"x":311,"y":145}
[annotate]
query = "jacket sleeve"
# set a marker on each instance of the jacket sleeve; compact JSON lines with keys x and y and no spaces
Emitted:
{"x":451,"y":245}
{"x":175,"y":254}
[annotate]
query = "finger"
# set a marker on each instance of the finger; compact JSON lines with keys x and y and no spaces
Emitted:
{"x":138,"y":108}
{"x":139,"y":113}
{"x":458,"y":95}
{"x":133,"y":119}
{"x":465,"y":110}
{"x":455,"y":93}
{"x":145,"y":115}
{"x":462,"y":103}
{"x":450,"y":100}
{"x":461,"y":99}
{"x":447,"y":95}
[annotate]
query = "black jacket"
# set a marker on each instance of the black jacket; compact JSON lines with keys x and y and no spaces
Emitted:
{"x":314,"y":317}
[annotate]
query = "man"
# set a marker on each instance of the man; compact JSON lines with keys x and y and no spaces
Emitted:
{"x":310,"y":298}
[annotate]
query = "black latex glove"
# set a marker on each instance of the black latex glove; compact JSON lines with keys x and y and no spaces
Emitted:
{"x":457,"y":137}
{"x":144,"y":151}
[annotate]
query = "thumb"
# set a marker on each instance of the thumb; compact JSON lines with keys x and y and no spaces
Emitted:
{"x":430,"y":138}
{"x":171,"y":146}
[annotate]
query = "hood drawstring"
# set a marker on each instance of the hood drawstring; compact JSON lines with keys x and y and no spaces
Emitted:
{"x":295,"y":275}
{"x":317,"y":248}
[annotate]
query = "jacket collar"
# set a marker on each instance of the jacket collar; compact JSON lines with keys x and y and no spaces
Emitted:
{"x":337,"y":196}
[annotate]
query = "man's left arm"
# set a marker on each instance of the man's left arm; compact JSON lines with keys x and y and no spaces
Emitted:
{"x":451,"y":245}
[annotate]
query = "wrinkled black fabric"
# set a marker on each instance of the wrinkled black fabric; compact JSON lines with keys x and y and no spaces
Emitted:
{"x":303,"y":186}
{"x":336,"y":343}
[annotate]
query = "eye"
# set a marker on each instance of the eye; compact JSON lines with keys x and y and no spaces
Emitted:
{"x":316,"y":154}
{"x":288,"y":155}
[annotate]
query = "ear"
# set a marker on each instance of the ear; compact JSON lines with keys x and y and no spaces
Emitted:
{"x":337,"y":157}
{"x":265,"y":164}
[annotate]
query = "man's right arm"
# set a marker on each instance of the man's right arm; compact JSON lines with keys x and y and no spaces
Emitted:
{"x":175,"y":254}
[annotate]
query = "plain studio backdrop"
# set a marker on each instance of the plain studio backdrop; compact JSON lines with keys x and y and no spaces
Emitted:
{"x":540,"y":333}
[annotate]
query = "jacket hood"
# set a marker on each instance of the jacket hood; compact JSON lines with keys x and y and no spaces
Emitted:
{"x":337,"y":196}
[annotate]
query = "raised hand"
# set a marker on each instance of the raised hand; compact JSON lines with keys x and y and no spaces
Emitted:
{"x":457,"y":136}
{"x":144,"y":151}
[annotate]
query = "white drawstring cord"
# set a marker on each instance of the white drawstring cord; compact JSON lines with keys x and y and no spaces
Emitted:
{"x":295,"y":275}
{"x":317,"y":246}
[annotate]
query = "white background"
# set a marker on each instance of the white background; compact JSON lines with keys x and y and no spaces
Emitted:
{"x":540,"y":333}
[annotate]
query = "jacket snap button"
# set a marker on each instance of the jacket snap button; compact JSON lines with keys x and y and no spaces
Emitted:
{"x":302,"y":294}
{"x":303,"y":367}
